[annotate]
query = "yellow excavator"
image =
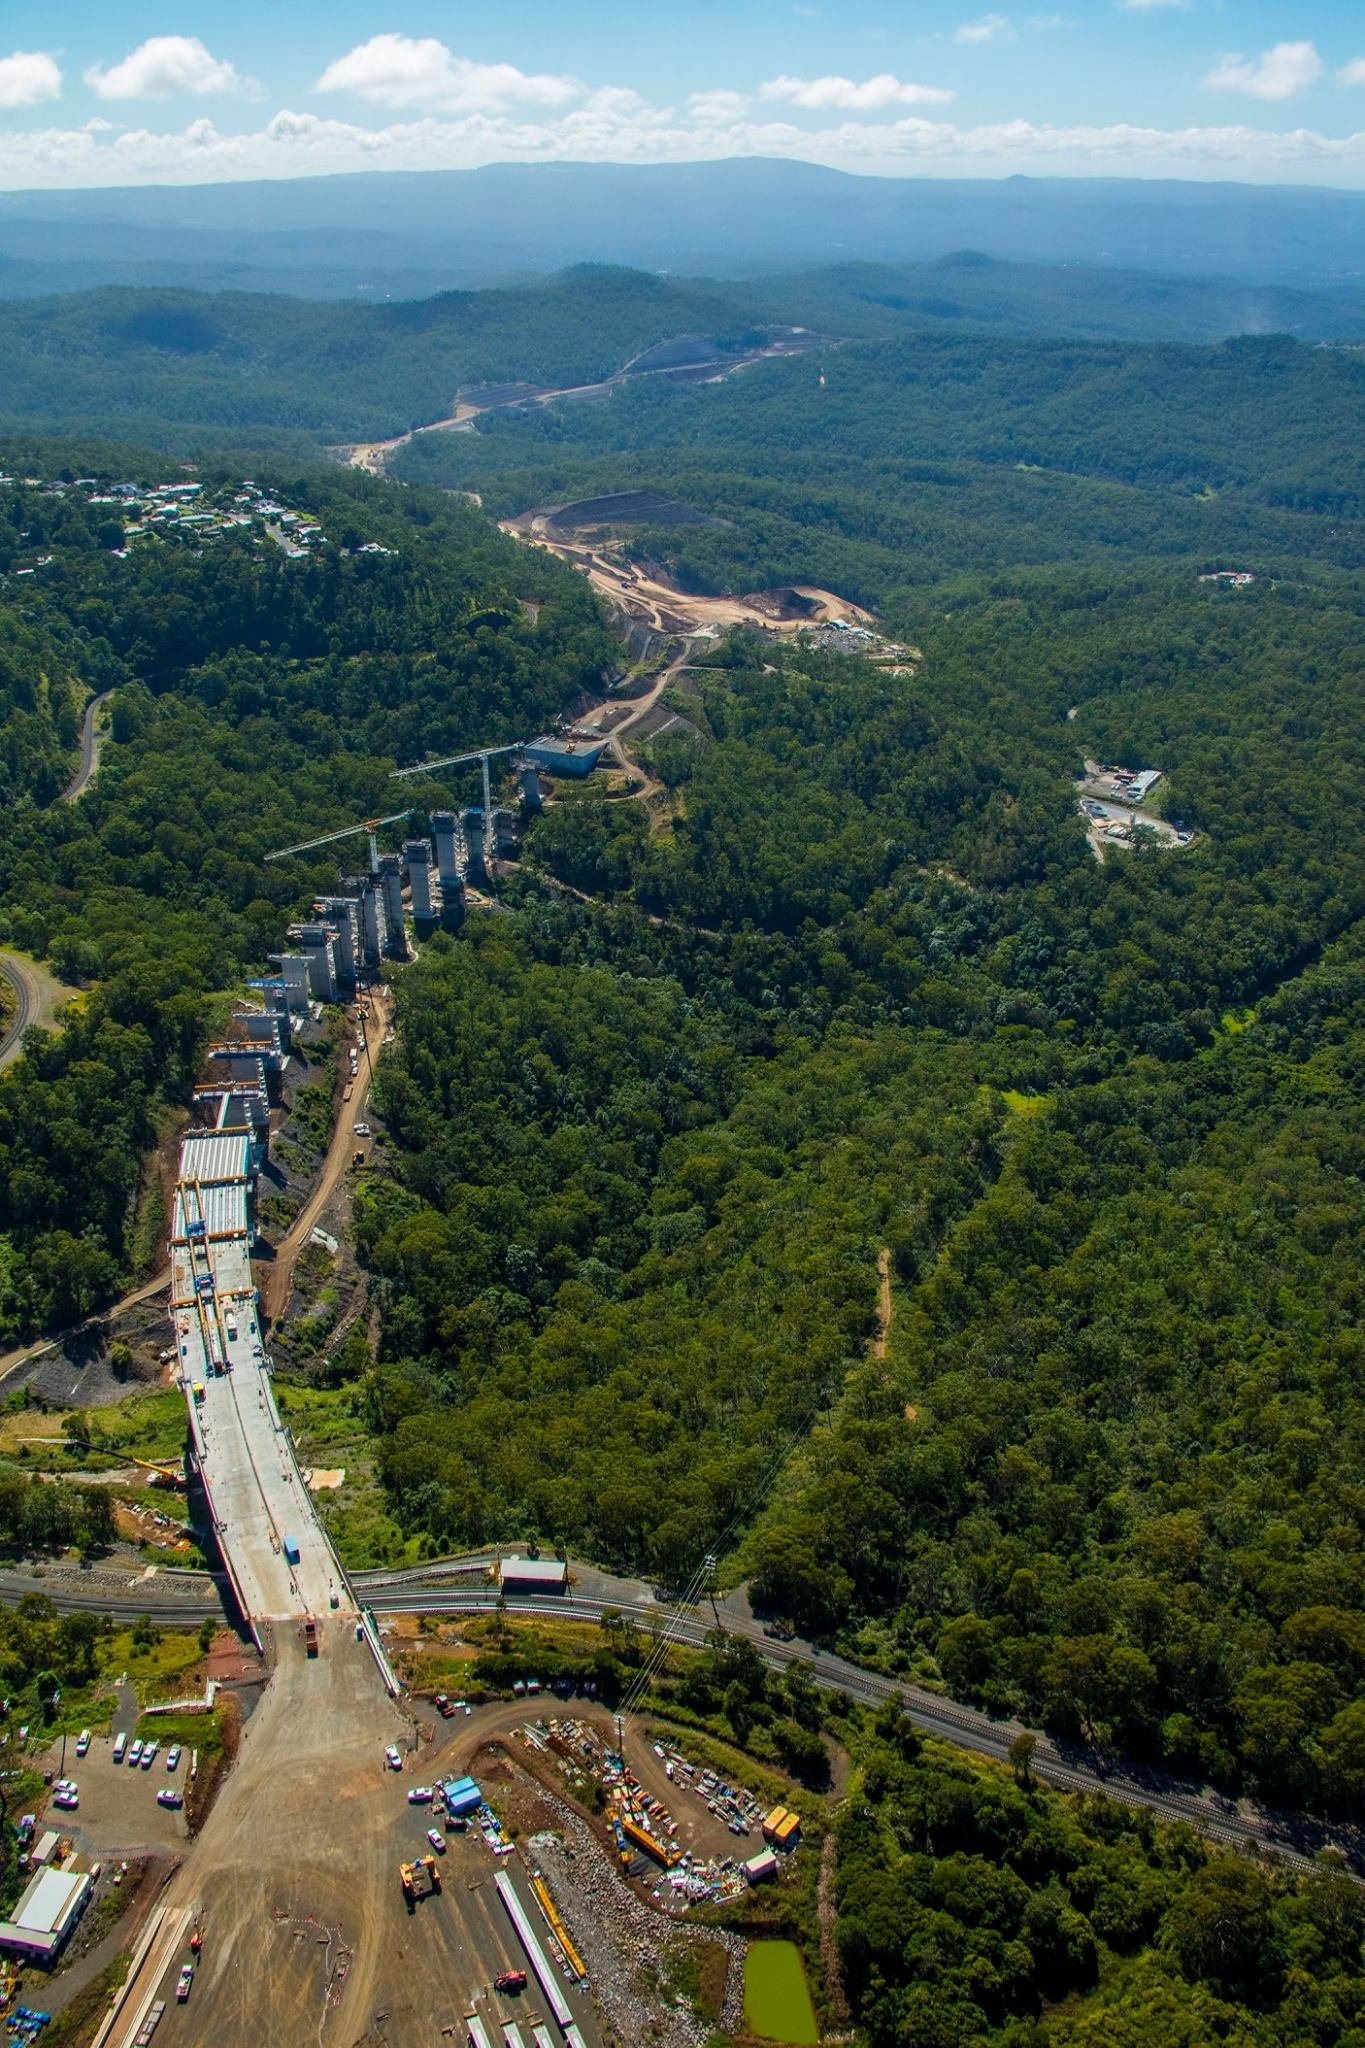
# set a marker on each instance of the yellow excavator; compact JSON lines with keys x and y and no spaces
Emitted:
{"x":419,"y":1879}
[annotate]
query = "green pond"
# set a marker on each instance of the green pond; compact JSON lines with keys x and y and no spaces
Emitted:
{"x":776,"y":1996}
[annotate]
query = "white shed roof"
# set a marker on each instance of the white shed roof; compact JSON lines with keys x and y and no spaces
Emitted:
{"x":534,"y":1571}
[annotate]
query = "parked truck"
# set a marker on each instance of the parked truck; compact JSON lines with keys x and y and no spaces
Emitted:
{"x":310,"y":1638}
{"x":291,"y":1549}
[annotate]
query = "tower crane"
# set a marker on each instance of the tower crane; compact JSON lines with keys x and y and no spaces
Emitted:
{"x":483,"y":755}
{"x":370,"y":826}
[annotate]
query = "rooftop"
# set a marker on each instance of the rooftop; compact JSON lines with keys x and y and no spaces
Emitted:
{"x":44,"y":1915}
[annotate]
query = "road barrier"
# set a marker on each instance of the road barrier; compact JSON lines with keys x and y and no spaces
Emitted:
{"x":392,"y":1683}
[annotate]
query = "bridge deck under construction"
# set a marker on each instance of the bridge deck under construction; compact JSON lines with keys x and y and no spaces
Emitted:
{"x":277,"y":1555}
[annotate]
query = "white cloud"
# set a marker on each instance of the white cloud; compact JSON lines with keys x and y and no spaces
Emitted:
{"x":991,"y":28}
{"x":718,"y":106}
{"x":1275,"y":75}
{"x":162,"y":67}
{"x":1153,"y":6}
{"x":408,"y":71}
{"x":618,"y":126}
{"x":27,"y":77}
{"x":823,"y":94}
{"x":1353,"y":73}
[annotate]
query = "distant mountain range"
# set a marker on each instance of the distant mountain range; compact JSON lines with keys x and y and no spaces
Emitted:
{"x":408,"y":234}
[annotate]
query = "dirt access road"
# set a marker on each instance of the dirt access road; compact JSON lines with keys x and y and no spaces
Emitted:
{"x":276,"y":1279}
{"x":10,"y":1361}
{"x":648,"y":599}
{"x":639,"y":710}
{"x":40,"y":995}
{"x":372,"y":456}
{"x":289,"y":1873}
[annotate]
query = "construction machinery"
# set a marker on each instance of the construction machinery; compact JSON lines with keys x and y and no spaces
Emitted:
{"x":369,"y":826}
{"x":420,"y":1879}
{"x":483,"y":755}
{"x":662,"y":1852}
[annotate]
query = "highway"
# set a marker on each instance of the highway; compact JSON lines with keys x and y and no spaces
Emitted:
{"x":19,"y":975}
{"x":91,"y":742}
{"x":1235,"y":1824}
{"x":40,"y":995}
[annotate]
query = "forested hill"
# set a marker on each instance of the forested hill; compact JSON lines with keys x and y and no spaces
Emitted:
{"x":185,"y":369}
{"x":880,"y":468}
{"x":256,"y":696}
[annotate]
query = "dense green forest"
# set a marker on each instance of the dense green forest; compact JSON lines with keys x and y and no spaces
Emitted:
{"x":255,"y":696}
{"x":973,"y":1910}
{"x":186,"y":369}
{"x":857,"y":986}
{"x":182,"y":369}
{"x":880,"y":470}
{"x":645,"y":1171}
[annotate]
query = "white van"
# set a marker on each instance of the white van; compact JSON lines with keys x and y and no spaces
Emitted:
{"x":120,"y":1747}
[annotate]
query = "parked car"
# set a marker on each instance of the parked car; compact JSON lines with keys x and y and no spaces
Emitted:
{"x":393,"y":1759}
{"x":183,"y":1983}
{"x":420,"y":1795}
{"x":68,"y":1801}
{"x":362,"y":1130}
{"x":168,"y":1796}
{"x":149,"y":1755}
{"x":437,"y":1840}
{"x":173,"y":1755}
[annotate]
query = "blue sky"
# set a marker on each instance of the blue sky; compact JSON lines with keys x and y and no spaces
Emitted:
{"x":92,"y":94}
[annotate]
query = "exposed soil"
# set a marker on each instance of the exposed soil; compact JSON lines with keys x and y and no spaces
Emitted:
{"x":884,"y":1308}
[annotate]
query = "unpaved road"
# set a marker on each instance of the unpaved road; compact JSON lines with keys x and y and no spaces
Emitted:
{"x":639,"y":709}
{"x":40,"y":997}
{"x":9,"y":1360}
{"x":373,"y":455}
{"x":290,"y":1865}
{"x":275,"y":1279}
{"x":884,"y":1306}
{"x":92,"y":739}
{"x":628,"y":590}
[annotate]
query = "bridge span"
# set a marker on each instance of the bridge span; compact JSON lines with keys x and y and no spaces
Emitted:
{"x":276,"y":1552}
